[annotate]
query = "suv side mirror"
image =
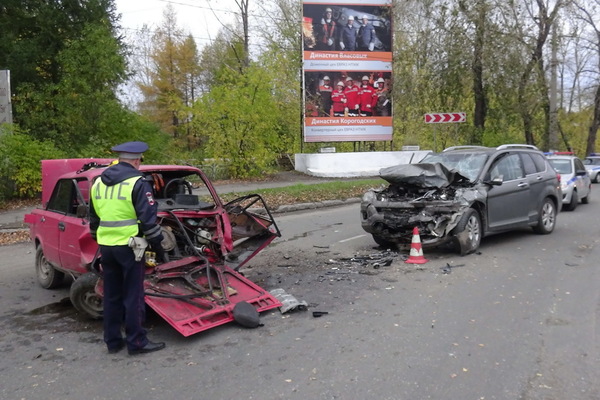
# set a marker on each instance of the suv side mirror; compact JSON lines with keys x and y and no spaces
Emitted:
{"x":497,"y":181}
{"x":82,"y":211}
{"x":581,"y":172}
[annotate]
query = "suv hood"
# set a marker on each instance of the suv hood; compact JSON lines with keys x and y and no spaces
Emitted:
{"x":423,"y":175}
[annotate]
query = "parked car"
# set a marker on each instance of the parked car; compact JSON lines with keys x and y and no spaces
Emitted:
{"x":592,"y":165}
{"x":574,"y":179}
{"x":463,"y":194}
{"x":206,"y":241}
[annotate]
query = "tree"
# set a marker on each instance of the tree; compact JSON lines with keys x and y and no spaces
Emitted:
{"x":239,"y":120}
{"x":172,"y":79}
{"x":588,"y":14}
{"x":82,"y":107}
{"x":35,"y":32}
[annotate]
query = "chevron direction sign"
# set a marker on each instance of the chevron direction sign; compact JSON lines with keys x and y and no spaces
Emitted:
{"x":441,"y":118}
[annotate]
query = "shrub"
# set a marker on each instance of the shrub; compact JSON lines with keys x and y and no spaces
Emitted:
{"x":20,"y":168}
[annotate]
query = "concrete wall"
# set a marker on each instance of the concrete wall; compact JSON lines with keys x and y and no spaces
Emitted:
{"x":347,"y":165}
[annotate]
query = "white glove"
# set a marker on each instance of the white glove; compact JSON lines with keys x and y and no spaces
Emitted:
{"x":138,"y":244}
{"x":368,"y":106}
{"x":342,"y":45}
{"x":371,"y":46}
{"x":344,"y":100}
{"x":329,"y":42}
{"x":356,"y":107}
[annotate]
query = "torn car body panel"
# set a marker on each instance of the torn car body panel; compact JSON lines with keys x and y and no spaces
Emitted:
{"x":193,"y":296}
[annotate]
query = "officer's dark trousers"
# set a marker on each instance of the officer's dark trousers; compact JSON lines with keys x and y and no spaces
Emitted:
{"x":123,"y":297}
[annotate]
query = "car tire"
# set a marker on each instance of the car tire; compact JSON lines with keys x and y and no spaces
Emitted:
{"x":386,"y":244}
{"x":84,"y":297}
{"x":597,"y":178}
{"x":48,"y":276}
{"x":468,"y":232}
{"x":546,"y":217}
{"x":573,"y":203}
{"x":586,"y":199}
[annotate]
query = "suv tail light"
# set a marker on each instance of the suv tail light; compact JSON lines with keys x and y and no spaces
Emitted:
{"x":558,"y":177}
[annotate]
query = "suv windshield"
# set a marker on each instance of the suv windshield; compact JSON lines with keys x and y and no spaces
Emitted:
{"x":467,"y":164}
{"x":561,"y":166}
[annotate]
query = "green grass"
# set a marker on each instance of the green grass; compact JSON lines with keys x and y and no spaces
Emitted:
{"x":307,"y":193}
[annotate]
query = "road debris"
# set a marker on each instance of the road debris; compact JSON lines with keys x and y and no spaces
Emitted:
{"x":318,"y":314}
{"x":374,"y":260}
{"x":288,"y":302}
{"x":448,"y":268}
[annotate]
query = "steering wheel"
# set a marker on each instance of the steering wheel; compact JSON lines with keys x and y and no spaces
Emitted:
{"x":183,"y":186}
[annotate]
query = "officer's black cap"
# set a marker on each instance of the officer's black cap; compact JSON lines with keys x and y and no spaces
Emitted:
{"x":130,"y":150}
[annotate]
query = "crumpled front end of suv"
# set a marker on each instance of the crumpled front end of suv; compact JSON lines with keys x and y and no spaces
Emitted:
{"x":427,"y":196}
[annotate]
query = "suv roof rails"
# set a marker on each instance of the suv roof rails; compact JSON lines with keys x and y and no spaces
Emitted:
{"x":517,"y":146}
{"x":464,"y":147}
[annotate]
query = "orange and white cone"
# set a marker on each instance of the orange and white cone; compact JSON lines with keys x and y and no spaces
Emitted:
{"x":416,"y":252}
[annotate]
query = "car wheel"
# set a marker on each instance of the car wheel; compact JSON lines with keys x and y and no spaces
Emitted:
{"x":586,"y":199}
{"x":383,"y":242}
{"x":597,"y":178}
{"x":47,"y":275}
{"x":84,"y":297}
{"x":546,"y":217}
{"x":573,"y":203}
{"x":468,"y":232}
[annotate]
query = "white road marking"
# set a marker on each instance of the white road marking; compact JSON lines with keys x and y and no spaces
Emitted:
{"x":352,"y":238}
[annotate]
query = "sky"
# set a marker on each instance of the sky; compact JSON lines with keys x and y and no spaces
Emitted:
{"x":193,"y":16}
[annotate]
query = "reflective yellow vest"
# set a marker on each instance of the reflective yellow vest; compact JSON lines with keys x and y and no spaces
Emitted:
{"x":114,"y":207}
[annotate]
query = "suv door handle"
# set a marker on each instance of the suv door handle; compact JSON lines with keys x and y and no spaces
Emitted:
{"x":523,"y":184}
{"x":539,"y":178}
{"x":61,"y":226}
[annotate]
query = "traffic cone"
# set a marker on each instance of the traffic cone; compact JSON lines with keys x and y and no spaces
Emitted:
{"x":416,"y":252}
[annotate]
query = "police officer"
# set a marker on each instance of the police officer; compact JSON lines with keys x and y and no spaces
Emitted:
{"x":122,"y":206}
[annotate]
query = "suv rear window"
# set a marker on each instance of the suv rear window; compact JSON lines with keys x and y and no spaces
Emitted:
{"x":539,"y":160}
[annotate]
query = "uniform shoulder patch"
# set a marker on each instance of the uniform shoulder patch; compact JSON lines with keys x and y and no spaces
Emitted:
{"x":150,"y":198}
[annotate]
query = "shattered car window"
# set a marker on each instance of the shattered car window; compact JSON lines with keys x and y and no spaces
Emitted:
{"x":467,"y":164}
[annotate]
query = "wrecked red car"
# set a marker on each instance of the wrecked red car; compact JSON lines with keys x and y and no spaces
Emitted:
{"x":206,"y":242}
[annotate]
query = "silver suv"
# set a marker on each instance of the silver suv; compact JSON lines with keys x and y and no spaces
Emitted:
{"x":463,"y":194}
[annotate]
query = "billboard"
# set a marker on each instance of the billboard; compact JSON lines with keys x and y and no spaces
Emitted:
{"x":347,"y":70}
{"x":5,"y":103}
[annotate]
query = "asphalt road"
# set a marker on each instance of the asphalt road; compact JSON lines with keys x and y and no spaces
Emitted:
{"x":519,"y":320}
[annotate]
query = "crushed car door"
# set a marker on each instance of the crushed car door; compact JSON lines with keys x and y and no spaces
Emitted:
{"x":508,"y":203}
{"x":250,"y":231}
